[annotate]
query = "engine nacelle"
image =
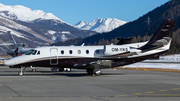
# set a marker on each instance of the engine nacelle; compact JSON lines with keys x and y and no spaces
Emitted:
{"x":115,"y":49}
{"x":21,"y":45}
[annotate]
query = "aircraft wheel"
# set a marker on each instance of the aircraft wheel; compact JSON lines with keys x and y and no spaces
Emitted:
{"x":98,"y":73}
{"x":61,"y":69}
{"x":89,"y":71}
{"x":20,"y":73}
{"x":68,"y":69}
{"x":33,"y":70}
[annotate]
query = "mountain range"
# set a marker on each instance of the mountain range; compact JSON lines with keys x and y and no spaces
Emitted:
{"x":140,"y":27}
{"x":100,"y":25}
{"x":35,"y":27}
{"x":45,"y":28}
{"x":22,"y":13}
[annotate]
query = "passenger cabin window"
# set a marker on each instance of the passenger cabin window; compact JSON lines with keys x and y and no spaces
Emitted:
{"x":79,"y":52}
{"x":70,"y":51}
{"x":62,"y":52}
{"x":87,"y":51}
{"x":29,"y":52}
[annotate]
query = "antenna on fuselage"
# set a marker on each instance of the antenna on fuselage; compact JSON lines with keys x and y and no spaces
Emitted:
{"x":83,"y":44}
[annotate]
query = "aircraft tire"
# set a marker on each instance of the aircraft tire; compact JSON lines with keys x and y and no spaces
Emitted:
{"x":68,"y":69}
{"x":33,"y":70}
{"x":98,"y":73}
{"x":61,"y":69}
{"x":90,"y":71}
{"x":20,"y":73}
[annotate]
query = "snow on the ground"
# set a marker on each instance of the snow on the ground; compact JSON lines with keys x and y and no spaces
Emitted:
{"x":174,"y":65}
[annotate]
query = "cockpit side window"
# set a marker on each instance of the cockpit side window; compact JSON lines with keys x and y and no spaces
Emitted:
{"x":38,"y":53}
{"x":29,"y":52}
{"x":34,"y":52}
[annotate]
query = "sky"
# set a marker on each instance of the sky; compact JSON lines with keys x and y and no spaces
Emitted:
{"x":73,"y":11}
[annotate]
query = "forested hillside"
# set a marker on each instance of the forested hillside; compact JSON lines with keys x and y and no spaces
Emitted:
{"x":139,"y":29}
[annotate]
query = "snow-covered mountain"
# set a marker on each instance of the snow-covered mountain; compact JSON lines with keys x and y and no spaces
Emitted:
{"x":100,"y":25}
{"x":35,"y":27}
{"x":22,"y":13}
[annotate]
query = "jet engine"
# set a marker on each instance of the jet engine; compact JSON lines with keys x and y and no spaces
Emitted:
{"x":115,"y":49}
{"x":21,"y":44}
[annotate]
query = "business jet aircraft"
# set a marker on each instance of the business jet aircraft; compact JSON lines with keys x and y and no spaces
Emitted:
{"x":94,"y":58}
{"x":15,"y":48}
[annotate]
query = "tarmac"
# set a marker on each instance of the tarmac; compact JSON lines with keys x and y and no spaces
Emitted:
{"x":112,"y":85}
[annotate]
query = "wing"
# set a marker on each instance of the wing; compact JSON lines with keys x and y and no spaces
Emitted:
{"x":96,"y":64}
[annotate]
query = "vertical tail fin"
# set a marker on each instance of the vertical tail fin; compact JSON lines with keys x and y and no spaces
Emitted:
{"x":161,"y":37}
{"x":11,"y":40}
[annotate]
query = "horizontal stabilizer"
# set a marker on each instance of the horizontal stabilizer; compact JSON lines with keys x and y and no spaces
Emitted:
{"x":6,"y":44}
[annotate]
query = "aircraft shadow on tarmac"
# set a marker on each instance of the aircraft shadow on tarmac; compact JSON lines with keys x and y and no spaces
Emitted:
{"x":52,"y":73}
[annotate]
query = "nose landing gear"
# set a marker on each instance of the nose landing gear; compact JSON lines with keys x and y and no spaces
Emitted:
{"x":21,"y":73}
{"x":33,"y":69}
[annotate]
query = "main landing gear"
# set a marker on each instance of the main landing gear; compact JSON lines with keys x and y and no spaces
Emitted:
{"x":64,"y":69}
{"x":95,"y":71}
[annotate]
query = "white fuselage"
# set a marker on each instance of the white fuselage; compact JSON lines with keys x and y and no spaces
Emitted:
{"x":54,"y":54}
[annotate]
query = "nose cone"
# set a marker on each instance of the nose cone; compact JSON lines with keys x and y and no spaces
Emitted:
{"x":9,"y":62}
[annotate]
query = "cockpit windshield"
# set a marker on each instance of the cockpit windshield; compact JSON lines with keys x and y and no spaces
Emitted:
{"x":29,"y":52}
{"x":34,"y":52}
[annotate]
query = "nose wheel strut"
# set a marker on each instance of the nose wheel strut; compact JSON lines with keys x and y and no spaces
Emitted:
{"x":21,"y":73}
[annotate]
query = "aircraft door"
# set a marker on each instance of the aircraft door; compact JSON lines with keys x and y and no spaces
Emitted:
{"x":53,"y":56}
